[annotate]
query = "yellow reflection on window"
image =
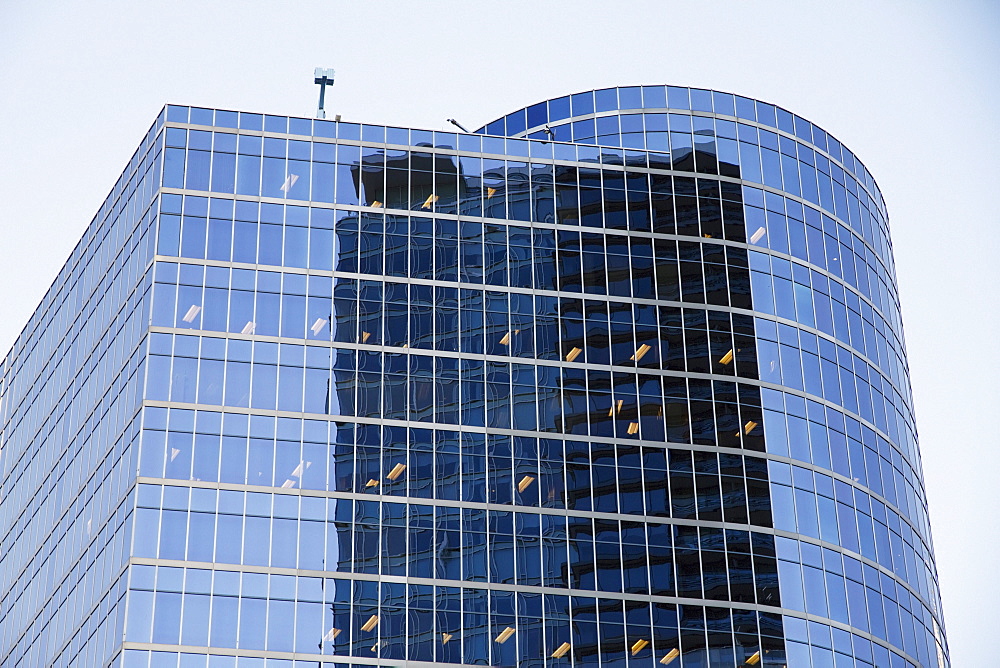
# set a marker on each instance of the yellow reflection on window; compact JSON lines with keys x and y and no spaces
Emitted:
{"x":642,"y":350}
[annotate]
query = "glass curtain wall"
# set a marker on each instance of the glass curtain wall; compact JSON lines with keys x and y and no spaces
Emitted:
{"x":618,"y":380}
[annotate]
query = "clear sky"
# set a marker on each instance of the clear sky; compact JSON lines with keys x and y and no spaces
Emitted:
{"x":912,"y":87}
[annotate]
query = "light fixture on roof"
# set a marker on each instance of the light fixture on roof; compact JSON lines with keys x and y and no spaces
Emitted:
{"x":289,"y":183}
{"x":248,"y":328}
{"x":370,"y":624}
{"x":318,"y":326}
{"x":549,"y":131}
{"x":561,"y":650}
{"x":430,"y":201}
{"x":324,"y":77}
{"x":490,"y":192}
{"x":573,"y":354}
{"x":616,"y":408}
{"x":396,"y":471}
{"x":670,"y":656}
{"x":754,"y":659}
{"x":756,"y":236}
{"x":365,"y":336}
{"x":331,"y":635}
{"x":458,"y":125}
{"x":749,"y":426}
{"x":525,"y":483}
{"x":192,"y":313}
{"x":377,"y":204}
{"x":505,"y":635}
{"x":639,"y":645}
{"x":727,"y":358}
{"x":445,"y":637}
{"x":372,"y":483}
{"x":633,"y":428}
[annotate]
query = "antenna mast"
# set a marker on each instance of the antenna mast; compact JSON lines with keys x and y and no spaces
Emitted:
{"x":323,"y":77}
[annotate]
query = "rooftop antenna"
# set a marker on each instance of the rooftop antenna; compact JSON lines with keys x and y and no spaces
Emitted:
{"x":458,"y":125}
{"x":323,"y":77}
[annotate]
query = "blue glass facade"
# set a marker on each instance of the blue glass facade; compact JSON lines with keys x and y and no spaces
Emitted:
{"x":618,"y":380}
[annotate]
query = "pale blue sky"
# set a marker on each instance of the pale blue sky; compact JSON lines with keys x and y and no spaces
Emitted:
{"x":911,"y":87}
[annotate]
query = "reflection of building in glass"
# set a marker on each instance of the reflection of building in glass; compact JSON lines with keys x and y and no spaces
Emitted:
{"x":316,"y":393}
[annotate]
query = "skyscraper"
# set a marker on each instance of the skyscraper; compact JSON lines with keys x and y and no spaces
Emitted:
{"x":617,"y":380}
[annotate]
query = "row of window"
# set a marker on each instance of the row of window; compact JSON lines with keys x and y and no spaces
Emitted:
{"x":66,"y":498}
{"x":832,"y":372}
{"x":541,"y":258}
{"x":422,"y":541}
{"x":654,"y":97}
{"x":66,"y":396}
{"x":431,"y":466}
{"x":672,"y":209}
{"x":474,"y":467}
{"x":437,"y":542}
{"x":452,"y":319}
{"x":591,"y":331}
{"x":493,"y":469}
{"x":800,"y":516}
{"x":689,"y":271}
{"x":788,"y":294}
{"x":796,"y":654}
{"x":446,"y":183}
{"x":548,"y":112}
{"x":651,"y":97}
{"x":194,"y":378}
{"x":442,"y":624}
{"x":467,"y":392}
{"x":61,"y":535}
{"x":759,"y":157}
{"x":599,"y":332}
{"x":74,"y":589}
{"x":778,"y":223}
{"x":809,"y":432}
{"x":56,"y":375}
{"x":843,"y":519}
{"x":820,"y":583}
{"x":631,"y":130}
